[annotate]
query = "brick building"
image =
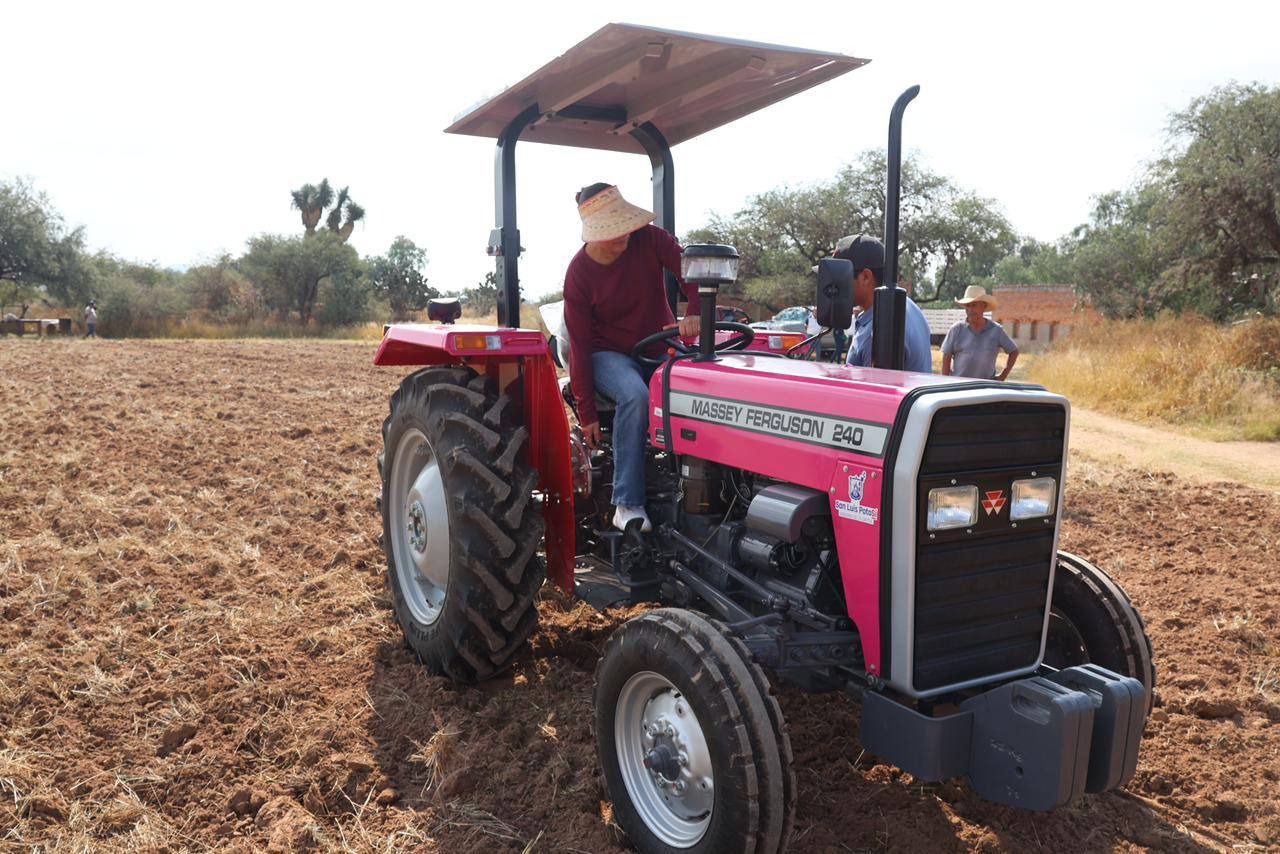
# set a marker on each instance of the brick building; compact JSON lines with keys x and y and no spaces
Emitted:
{"x":1037,"y":315}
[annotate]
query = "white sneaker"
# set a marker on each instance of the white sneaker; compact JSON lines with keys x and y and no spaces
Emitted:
{"x":622,"y":515}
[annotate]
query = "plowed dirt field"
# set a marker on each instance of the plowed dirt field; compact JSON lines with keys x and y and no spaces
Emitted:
{"x":196,"y":650}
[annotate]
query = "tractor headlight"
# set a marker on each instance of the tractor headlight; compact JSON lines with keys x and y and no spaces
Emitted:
{"x":952,"y":507}
{"x":711,"y":264}
{"x":1033,"y":498}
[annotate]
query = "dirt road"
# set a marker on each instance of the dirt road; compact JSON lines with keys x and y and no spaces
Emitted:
{"x":196,"y":651}
{"x":1105,"y":438}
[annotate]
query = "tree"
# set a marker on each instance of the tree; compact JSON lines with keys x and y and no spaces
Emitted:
{"x":947,"y":237}
{"x":344,"y":298}
{"x":1034,"y":263}
{"x":289,"y":270}
{"x":483,"y":298}
{"x":137,"y":299}
{"x":1119,"y":257}
{"x":311,"y":200}
{"x":354,"y":213}
{"x":38,"y":255}
{"x":222,"y":291}
{"x":397,"y":277}
{"x":1200,"y":231}
{"x":1220,"y":188}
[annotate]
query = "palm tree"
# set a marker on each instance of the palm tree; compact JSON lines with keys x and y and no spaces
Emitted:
{"x":334,"y":220}
{"x":312,"y":201}
{"x":353,"y":211}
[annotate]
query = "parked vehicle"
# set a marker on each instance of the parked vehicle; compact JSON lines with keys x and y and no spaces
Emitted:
{"x":887,"y":534}
{"x":799,"y":318}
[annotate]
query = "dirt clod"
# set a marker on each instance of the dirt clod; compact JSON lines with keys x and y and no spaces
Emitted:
{"x":456,"y":783}
{"x":1214,"y":707}
{"x":289,"y":827}
{"x":44,"y":806}
{"x":247,"y":801}
{"x":176,"y":736}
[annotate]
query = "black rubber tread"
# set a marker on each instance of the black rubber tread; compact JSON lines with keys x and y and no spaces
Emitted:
{"x":782,"y":737}
{"x":495,"y":573}
{"x":1114,"y":633}
{"x":780,"y":731}
{"x":754,"y":787}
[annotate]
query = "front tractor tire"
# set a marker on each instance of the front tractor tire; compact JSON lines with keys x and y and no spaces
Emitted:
{"x":460,"y":524}
{"x":693,"y":746}
{"x":1092,"y":621}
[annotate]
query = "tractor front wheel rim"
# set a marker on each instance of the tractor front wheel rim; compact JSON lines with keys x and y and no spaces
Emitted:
{"x":665,"y":762}
{"x":419,"y":526}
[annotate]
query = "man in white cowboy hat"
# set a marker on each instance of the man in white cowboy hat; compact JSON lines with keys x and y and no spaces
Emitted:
{"x":613,"y":297}
{"x":969,"y":350}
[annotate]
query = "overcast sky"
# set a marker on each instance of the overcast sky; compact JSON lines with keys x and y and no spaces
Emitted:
{"x":174,"y":131}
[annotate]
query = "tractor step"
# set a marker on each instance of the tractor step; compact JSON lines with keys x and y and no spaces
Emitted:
{"x":598,"y":585}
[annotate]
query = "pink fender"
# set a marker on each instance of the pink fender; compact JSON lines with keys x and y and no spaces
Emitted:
{"x":487,"y":349}
{"x":447,"y":344}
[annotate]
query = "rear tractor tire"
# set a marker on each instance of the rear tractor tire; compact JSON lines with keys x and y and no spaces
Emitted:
{"x":692,"y":743}
{"x":1092,"y":621}
{"x":460,"y":524}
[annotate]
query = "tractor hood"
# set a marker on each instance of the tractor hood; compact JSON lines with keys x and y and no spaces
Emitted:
{"x":793,"y":414}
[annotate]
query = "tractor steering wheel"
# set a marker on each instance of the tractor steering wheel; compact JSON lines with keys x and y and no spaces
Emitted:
{"x":738,"y":342}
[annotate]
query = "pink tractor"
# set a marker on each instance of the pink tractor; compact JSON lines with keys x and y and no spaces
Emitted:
{"x":887,"y":534}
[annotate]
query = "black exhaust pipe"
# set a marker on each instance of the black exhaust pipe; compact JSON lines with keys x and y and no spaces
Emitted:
{"x":888,"y":337}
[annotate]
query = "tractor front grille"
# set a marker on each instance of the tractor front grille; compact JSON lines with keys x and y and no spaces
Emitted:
{"x":980,"y":608}
{"x":981,"y":592}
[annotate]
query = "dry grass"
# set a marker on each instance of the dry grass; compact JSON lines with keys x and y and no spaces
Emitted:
{"x":438,"y":754}
{"x":193,"y":327}
{"x":530,"y":318}
{"x":1223,"y":382}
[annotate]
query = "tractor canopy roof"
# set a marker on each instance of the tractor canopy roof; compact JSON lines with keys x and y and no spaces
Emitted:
{"x":623,"y":76}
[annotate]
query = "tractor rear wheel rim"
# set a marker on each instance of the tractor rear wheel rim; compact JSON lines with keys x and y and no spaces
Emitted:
{"x":419,"y":526}
{"x":665,"y":762}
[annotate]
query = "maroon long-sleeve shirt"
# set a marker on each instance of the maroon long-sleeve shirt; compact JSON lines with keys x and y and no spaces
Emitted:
{"x":611,"y":307}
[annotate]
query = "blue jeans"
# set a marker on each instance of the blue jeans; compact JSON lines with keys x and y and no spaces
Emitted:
{"x":624,"y":381}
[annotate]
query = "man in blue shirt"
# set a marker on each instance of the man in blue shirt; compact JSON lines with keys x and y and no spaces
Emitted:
{"x":867,"y":255}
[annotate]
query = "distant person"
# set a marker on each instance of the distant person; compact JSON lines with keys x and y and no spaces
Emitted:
{"x":812,"y":328}
{"x":972,"y":343}
{"x":91,"y":319}
{"x":867,"y":255}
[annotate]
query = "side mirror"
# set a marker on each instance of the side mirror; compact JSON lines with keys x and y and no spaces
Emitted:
{"x":834,"y":302}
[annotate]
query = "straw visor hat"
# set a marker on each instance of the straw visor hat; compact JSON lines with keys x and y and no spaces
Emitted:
{"x":977,"y":293}
{"x":606,"y":216}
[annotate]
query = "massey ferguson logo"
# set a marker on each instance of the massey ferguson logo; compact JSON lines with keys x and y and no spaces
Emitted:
{"x":994,"y":502}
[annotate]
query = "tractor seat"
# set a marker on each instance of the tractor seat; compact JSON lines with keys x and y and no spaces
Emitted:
{"x":603,"y":403}
{"x":553,"y":317}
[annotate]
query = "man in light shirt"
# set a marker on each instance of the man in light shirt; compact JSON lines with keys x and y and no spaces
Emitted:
{"x":969,"y":350}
